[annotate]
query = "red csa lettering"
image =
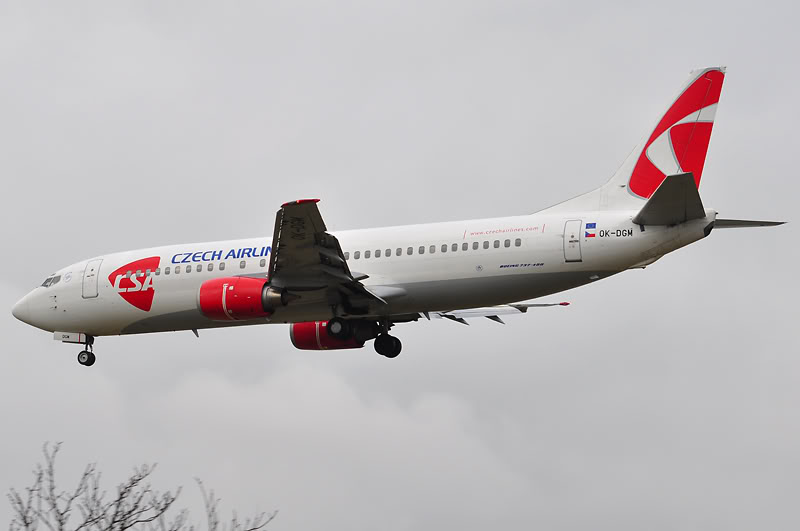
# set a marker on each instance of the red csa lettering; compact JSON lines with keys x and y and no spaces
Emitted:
{"x":137,"y":285}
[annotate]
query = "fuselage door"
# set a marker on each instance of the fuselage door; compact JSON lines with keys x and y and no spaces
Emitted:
{"x":572,"y":240}
{"x":91,"y":277}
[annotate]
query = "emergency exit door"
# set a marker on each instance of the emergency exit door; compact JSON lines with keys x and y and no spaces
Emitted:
{"x":90,"y":278}
{"x":572,"y":240}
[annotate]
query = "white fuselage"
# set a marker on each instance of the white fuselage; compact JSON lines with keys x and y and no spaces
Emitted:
{"x":465,"y":264}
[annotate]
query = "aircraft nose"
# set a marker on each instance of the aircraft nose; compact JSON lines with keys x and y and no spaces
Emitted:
{"x":22,"y":310}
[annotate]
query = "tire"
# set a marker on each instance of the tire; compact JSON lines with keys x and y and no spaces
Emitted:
{"x":383,"y":344}
{"x":92,"y":359}
{"x":387,"y":346}
{"x":84,"y":357}
{"x":397,"y":346}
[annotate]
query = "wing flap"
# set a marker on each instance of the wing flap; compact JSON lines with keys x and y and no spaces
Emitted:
{"x":491,"y":312}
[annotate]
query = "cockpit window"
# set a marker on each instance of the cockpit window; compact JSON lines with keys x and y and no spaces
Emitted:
{"x":51,"y":281}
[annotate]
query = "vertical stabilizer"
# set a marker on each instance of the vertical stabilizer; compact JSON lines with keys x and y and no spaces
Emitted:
{"x":677,"y":144}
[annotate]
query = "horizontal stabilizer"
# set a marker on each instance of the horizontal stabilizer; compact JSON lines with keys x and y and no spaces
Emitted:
{"x":744,"y":223}
{"x":675,"y":201}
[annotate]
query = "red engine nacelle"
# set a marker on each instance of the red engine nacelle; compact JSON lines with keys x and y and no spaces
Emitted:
{"x":313,"y":335}
{"x":238,"y":298}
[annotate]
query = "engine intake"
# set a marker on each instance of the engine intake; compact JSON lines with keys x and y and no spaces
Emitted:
{"x":239,"y":298}
{"x":313,"y":335}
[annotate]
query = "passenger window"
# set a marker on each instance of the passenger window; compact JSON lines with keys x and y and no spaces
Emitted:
{"x":399,"y":251}
{"x":263,"y":262}
{"x":347,"y":255}
{"x":377,"y":253}
{"x":497,"y":244}
{"x":518,"y":242}
{"x":356,"y":255}
{"x":474,"y":246}
{"x":242,"y":264}
{"x":432,"y":249}
{"x":199,"y":267}
{"x":158,"y":271}
{"x":128,"y":274}
{"x":222,"y":266}
{"x":211,"y":266}
{"x":188,"y":269}
{"x":177,"y":270}
{"x":166,"y":270}
{"x":444,"y":247}
{"x":507,"y":243}
{"x":410,"y":251}
{"x":421,"y":249}
{"x":486,"y":244}
{"x":464,"y":246}
{"x":147,"y":272}
{"x":366,"y":254}
{"x":454,"y":248}
{"x":139,"y":272}
{"x":388,"y":253}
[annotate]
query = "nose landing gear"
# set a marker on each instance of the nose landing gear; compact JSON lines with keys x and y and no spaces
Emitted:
{"x":86,"y":357}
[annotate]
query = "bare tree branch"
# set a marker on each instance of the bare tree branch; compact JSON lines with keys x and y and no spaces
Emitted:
{"x":254,"y":523}
{"x":135,"y":506}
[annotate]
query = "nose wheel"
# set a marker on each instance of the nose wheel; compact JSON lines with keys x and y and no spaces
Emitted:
{"x":86,"y":357}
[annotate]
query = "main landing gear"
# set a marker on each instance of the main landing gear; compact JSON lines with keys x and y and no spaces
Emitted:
{"x":363,"y":330}
{"x":388,"y":346}
{"x":86,"y":357}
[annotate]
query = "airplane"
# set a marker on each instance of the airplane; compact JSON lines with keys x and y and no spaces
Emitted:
{"x":339,"y":290}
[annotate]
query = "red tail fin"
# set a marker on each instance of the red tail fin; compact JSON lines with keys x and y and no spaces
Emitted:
{"x":679,"y":142}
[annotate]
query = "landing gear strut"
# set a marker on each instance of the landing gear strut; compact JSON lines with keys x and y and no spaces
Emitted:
{"x":388,"y":346}
{"x":87,"y":357}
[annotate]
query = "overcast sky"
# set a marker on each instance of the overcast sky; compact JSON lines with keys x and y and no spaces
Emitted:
{"x":660,"y":399}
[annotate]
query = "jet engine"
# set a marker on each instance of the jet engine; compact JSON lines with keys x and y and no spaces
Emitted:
{"x":313,"y":335}
{"x":239,"y":298}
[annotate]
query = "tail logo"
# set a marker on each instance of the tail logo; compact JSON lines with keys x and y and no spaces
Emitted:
{"x":679,"y":142}
{"x":134,"y":282}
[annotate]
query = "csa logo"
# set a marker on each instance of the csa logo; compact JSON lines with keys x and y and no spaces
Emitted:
{"x":136,"y":289}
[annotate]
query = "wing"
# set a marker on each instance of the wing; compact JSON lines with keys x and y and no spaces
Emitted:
{"x":306,"y":257}
{"x":491,"y":312}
